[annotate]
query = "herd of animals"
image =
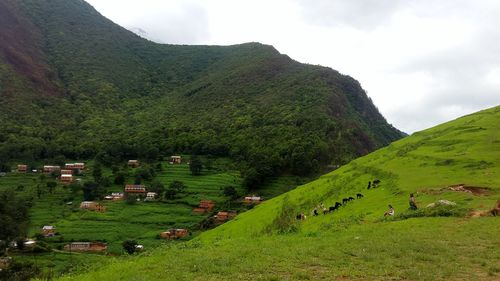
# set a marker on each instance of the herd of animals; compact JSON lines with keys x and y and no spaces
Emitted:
{"x":337,"y":205}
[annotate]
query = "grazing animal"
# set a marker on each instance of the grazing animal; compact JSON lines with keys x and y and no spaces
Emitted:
{"x":337,"y":205}
{"x":332,"y":208}
{"x":344,"y":201}
{"x":350,"y":198}
{"x":369,"y":185}
{"x":315,"y":212}
{"x":376,"y":183}
{"x":325,"y":211}
{"x":359,"y":195}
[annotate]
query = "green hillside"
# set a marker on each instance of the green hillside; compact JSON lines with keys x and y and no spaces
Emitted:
{"x":75,"y":85}
{"x":358,"y":242}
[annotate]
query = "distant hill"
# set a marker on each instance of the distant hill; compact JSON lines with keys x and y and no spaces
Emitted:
{"x":458,"y":161}
{"x":75,"y":85}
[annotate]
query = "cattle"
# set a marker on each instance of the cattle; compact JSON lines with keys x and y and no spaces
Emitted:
{"x":301,"y":216}
{"x":359,"y":195}
{"x":369,"y":185}
{"x":345,"y":200}
{"x":376,"y":183}
{"x":332,"y":208}
{"x":350,"y":198}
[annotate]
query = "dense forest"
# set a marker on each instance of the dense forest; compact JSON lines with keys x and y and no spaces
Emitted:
{"x":74,"y":85}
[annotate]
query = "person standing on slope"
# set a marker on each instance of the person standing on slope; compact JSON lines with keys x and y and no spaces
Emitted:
{"x":413,"y":203}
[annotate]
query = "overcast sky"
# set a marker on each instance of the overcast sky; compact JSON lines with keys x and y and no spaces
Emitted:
{"x":422,"y":62}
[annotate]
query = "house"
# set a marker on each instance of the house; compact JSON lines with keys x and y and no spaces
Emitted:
{"x":93,"y":206}
{"x":135,"y":188}
{"x":252,"y":199}
{"x":86,"y":247}
{"x":48,"y":230}
{"x":115,"y":196}
{"x":224,"y":216}
{"x":21,"y":168}
{"x":47,"y":169}
{"x":174,"y":233}
{"x":151,"y":196}
{"x":66,"y":172}
{"x":66,"y":178}
{"x":133,"y":163}
{"x":74,"y":166}
{"x":175,"y":159}
{"x":205,"y":206}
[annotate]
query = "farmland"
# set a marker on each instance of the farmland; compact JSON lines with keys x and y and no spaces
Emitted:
{"x":141,"y":221}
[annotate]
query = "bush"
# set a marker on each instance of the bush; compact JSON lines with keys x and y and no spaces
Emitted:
{"x":129,"y":246}
{"x":131,"y":199}
{"x":438,"y":211}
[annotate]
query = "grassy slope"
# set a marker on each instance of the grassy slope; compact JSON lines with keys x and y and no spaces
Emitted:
{"x":355,"y":243}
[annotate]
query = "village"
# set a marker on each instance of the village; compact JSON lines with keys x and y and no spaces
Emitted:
{"x":200,"y":206}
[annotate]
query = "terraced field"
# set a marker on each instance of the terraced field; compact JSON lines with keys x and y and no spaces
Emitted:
{"x":142,"y":221}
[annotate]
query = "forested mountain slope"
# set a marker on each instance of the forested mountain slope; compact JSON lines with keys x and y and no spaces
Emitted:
{"x":458,"y":161}
{"x":75,"y":85}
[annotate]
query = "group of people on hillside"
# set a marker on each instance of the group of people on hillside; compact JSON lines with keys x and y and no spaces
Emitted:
{"x":412,"y":202}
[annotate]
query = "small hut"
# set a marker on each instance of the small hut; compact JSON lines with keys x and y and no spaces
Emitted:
{"x":22,"y":168}
{"x":175,"y":159}
{"x":174,"y":233}
{"x":205,"y":206}
{"x":133,"y":163}
{"x":93,"y":206}
{"x":48,"y":230}
{"x":86,"y":247}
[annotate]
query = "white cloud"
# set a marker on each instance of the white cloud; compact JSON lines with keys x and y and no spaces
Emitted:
{"x":423,"y":62}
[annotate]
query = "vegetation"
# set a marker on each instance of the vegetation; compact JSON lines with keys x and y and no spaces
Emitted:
{"x":81,"y":87}
{"x":141,"y":221}
{"x":14,"y":218}
{"x":357,"y":242}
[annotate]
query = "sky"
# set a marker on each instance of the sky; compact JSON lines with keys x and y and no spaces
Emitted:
{"x":422,"y":62}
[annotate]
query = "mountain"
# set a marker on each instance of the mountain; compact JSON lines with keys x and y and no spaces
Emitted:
{"x":74,"y":85}
{"x":458,"y":161}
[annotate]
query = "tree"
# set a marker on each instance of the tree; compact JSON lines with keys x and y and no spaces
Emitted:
{"x":196,"y":166}
{"x":159,"y":167}
{"x":170,"y":193}
{"x":14,"y":217}
{"x":120,"y":178}
{"x":130,"y":246}
{"x":158,"y":187}
{"x":97,"y":172}
{"x":230,"y":192}
{"x":90,"y":191}
{"x":143,"y":174}
{"x":4,"y":168}
{"x":178,"y":186}
{"x":51,"y":185}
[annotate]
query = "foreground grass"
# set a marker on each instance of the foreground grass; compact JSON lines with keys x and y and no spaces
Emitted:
{"x":415,"y":249}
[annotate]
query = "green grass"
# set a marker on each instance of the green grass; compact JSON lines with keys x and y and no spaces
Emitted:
{"x":357,"y":242}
